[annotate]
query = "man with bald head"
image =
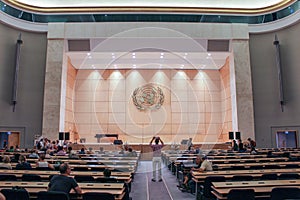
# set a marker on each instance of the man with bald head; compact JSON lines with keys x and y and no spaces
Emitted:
{"x":63,"y":182}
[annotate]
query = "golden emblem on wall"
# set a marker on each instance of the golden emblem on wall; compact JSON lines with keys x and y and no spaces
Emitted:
{"x":148,"y":97}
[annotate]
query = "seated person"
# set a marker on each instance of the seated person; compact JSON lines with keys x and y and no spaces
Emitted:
{"x":23,"y":164}
{"x":241,"y":146}
{"x":42,"y":163}
{"x":82,"y":151}
{"x":60,"y":151}
{"x":235,"y":146}
{"x":106,"y":173}
{"x":253,"y":151}
{"x":101,"y":151}
{"x":90,"y":151}
{"x":33,"y":154}
{"x":5,"y":163}
{"x":203,"y":165}
{"x":130,"y":153}
{"x":63,"y":182}
{"x":72,"y":154}
{"x":107,"y":178}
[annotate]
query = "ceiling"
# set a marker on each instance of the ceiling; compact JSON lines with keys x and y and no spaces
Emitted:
{"x":147,"y":60}
{"x":171,"y":6}
{"x":148,"y":53}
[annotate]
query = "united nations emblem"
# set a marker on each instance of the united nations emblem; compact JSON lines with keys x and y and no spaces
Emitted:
{"x":148,"y":97}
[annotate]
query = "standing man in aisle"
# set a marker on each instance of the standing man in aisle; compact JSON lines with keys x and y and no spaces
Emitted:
{"x":156,"y":161}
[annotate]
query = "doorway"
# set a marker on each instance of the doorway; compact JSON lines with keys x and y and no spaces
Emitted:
{"x":286,"y":139}
{"x":8,"y":139}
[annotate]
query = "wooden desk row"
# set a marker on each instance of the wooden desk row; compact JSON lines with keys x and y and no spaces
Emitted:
{"x":249,"y":165}
{"x":261,"y":188}
{"x":40,"y":172}
{"x":117,"y":189}
{"x":120,"y":176}
{"x":84,"y":162}
{"x":199,"y":177}
{"x":130,"y":168}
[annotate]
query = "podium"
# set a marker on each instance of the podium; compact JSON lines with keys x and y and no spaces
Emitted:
{"x":99,"y":136}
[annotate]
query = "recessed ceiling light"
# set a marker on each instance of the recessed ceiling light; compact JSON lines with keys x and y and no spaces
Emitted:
{"x":161,"y":56}
{"x":185,"y":54}
{"x":209,"y":54}
{"x":113,"y":57}
{"x":88,"y":54}
{"x":133,"y":54}
{"x":184,"y":57}
{"x":112,"y":54}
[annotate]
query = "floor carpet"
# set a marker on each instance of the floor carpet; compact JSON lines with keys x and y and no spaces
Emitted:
{"x":144,"y":189}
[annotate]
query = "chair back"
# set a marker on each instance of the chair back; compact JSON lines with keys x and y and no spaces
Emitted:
{"x":208,"y":183}
{"x":80,"y":169}
{"x":269,"y":176}
{"x":280,"y":193}
{"x":52,"y":195}
{"x":97,"y":196}
{"x":8,"y":177}
{"x":15,"y":194}
{"x":106,"y":180}
{"x":84,"y":178}
{"x":44,"y":168}
{"x":241,"y":194}
{"x":242,"y":178}
{"x":31,"y":177}
{"x":287,"y":176}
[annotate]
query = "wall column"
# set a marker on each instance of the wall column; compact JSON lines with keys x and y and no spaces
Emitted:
{"x":243,"y":86}
{"x":53,"y":82}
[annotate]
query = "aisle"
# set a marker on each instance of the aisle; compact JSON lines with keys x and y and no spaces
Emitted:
{"x":144,"y":189}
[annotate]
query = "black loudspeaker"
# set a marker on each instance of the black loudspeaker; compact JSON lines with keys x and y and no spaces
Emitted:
{"x":118,"y":142}
{"x":67,"y":135}
{"x":231,"y":135}
{"x":238,"y":135}
{"x":61,"y":135}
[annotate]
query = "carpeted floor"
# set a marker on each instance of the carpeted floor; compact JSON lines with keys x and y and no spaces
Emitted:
{"x":144,"y":189}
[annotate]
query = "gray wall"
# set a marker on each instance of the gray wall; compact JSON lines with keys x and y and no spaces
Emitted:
{"x":28,"y":115}
{"x":267,"y":113}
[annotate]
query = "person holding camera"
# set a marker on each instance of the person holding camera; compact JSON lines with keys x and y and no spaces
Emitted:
{"x":156,"y":161}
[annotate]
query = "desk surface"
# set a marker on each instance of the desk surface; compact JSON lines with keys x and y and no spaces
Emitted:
{"x":45,"y":184}
{"x":242,"y":184}
{"x":235,"y":172}
{"x":93,"y":173}
{"x":248,"y":165}
{"x":261,"y":188}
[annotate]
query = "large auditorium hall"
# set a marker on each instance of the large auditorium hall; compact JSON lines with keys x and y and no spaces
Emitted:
{"x":145,"y":100}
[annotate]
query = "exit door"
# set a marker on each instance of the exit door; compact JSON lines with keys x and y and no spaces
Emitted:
{"x":286,"y":139}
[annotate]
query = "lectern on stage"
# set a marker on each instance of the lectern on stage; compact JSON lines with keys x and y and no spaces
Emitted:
{"x":99,"y":136}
